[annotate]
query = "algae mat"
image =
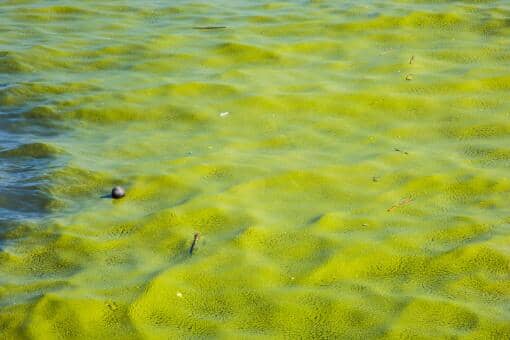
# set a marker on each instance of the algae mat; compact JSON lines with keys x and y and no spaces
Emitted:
{"x":345,"y":163}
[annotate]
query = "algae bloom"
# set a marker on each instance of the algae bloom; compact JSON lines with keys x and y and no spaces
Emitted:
{"x":345,"y":164}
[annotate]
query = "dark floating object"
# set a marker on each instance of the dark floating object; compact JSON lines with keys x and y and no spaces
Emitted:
{"x":195,"y":239}
{"x":401,"y":151}
{"x":208,"y":27}
{"x":118,"y":192}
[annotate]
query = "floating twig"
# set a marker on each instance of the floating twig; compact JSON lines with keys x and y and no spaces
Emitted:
{"x":402,"y":202}
{"x":401,"y":151}
{"x":411,"y":60}
{"x":194,"y":243}
{"x":208,"y":27}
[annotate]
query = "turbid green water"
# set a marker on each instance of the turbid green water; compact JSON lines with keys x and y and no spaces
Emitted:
{"x":357,"y":188}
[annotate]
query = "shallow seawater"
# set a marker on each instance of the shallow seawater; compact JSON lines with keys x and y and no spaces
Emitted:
{"x":345,"y":163}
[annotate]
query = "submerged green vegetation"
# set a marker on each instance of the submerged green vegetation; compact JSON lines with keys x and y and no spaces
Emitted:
{"x":345,"y":163}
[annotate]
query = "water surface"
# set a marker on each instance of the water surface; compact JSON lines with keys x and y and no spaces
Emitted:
{"x":358,"y":186}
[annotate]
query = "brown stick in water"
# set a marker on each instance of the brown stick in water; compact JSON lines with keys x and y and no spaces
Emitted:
{"x":405,"y":201}
{"x":195,"y":239}
{"x":208,"y":27}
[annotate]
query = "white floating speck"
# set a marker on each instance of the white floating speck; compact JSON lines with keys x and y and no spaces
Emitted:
{"x":223,"y":114}
{"x":179,"y":294}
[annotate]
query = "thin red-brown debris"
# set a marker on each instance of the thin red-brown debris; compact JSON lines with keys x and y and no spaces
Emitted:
{"x":402,"y":202}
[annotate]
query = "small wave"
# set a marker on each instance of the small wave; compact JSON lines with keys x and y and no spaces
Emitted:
{"x":35,"y":150}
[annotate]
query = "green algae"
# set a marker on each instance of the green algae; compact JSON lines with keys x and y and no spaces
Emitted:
{"x":34,"y":150}
{"x":292,"y":191}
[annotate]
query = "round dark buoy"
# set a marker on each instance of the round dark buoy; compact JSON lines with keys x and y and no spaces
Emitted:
{"x":118,"y":192}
